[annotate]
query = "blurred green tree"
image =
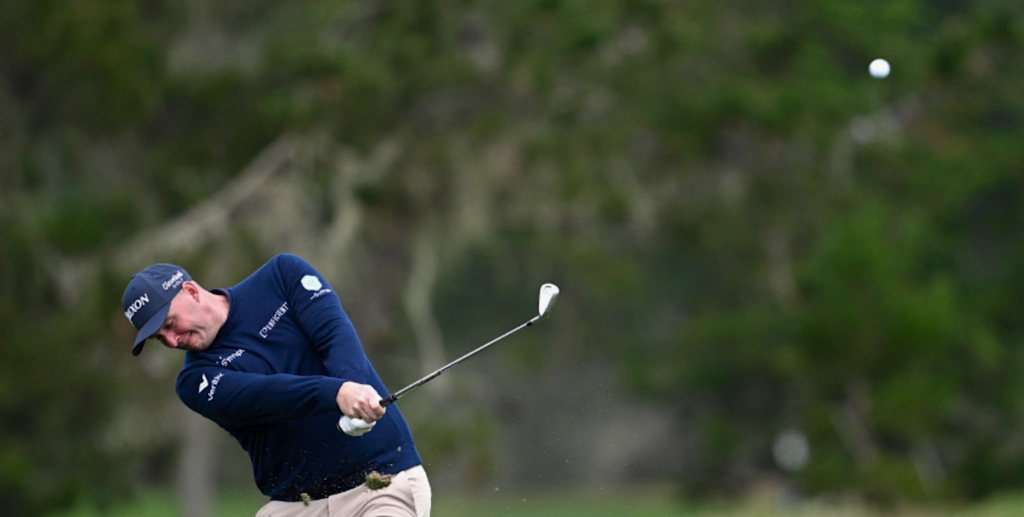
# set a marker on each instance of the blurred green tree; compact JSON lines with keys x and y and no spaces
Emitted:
{"x":760,"y":234}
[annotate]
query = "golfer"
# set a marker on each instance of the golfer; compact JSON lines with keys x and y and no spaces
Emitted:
{"x":275,"y":361}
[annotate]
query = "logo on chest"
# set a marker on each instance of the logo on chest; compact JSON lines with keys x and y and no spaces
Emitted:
{"x":280,"y":312}
{"x":224,"y":361}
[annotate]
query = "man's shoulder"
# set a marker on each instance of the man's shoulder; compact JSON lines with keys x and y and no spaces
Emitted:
{"x":288,"y":267}
{"x":278,"y":267}
{"x":279,"y":278}
{"x":286,"y":262}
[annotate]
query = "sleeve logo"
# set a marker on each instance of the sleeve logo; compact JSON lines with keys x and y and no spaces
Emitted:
{"x":311,"y":283}
{"x":204,"y":384}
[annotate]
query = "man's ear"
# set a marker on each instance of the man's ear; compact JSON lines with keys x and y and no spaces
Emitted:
{"x":191,"y":288}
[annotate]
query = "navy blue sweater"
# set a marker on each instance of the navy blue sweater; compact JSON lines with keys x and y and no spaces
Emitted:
{"x":271,"y":376}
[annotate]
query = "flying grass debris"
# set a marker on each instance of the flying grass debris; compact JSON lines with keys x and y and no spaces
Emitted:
{"x":377,"y":481}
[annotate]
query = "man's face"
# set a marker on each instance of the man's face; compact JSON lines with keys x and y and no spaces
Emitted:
{"x":189,"y":324}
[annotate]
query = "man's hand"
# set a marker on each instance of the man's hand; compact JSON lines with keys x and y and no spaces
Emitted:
{"x":360,"y":401}
{"x":354,"y":427}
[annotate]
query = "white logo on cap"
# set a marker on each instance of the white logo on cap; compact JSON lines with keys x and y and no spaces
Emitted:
{"x":204,"y":384}
{"x":174,"y":281}
{"x":139,"y":303}
{"x":311,"y":283}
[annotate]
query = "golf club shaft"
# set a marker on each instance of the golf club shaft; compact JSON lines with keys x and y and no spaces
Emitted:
{"x":395,"y":396}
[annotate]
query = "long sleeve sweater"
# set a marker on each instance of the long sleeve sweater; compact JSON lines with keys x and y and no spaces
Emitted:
{"x":271,"y":376}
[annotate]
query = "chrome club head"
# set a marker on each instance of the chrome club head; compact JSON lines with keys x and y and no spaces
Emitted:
{"x":548,"y":295}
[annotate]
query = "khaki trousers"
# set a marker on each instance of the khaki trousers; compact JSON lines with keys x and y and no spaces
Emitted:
{"x":407,"y":496}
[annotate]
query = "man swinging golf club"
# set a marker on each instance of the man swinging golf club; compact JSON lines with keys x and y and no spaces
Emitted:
{"x":275,"y":361}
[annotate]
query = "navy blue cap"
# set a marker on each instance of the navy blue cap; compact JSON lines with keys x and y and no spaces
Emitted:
{"x":148,"y":298}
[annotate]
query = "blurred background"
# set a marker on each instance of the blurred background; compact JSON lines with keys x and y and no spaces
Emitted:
{"x":782,"y":279}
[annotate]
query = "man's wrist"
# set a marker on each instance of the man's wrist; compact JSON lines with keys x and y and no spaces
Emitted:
{"x":330,"y":388}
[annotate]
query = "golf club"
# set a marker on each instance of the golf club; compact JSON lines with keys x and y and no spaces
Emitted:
{"x":548,"y":295}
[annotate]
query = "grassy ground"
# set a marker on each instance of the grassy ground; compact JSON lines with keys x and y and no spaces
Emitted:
{"x":646,"y":503}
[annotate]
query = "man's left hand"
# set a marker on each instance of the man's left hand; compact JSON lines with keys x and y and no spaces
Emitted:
{"x":360,"y":401}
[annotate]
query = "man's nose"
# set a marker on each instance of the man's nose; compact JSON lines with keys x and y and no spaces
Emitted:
{"x":164,"y":338}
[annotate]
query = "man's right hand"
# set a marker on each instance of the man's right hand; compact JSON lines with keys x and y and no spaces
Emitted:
{"x":360,"y":401}
{"x":354,"y":427}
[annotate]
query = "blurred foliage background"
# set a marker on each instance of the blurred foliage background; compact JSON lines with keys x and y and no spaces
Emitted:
{"x":754,"y":238}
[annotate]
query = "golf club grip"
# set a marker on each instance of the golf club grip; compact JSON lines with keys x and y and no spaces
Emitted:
{"x":387,"y":400}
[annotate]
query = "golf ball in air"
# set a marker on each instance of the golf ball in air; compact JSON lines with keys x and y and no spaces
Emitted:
{"x":879,"y":68}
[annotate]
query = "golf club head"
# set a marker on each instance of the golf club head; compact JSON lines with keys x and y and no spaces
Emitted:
{"x":548,"y":295}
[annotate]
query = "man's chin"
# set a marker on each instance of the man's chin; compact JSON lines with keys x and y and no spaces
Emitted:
{"x":195,"y":344}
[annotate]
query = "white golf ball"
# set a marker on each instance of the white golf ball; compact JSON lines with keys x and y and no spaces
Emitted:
{"x":879,"y":69}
